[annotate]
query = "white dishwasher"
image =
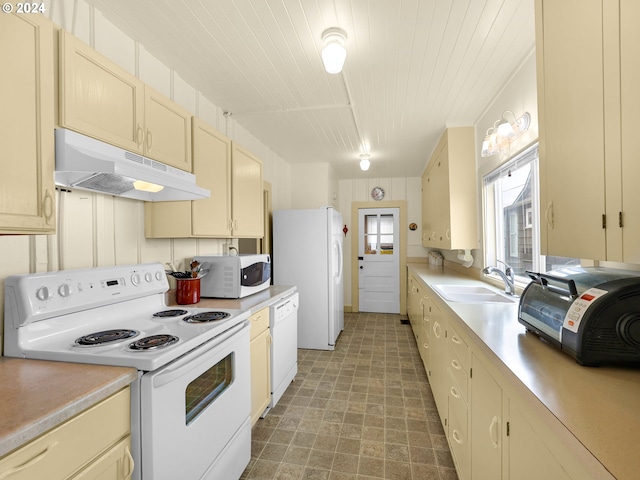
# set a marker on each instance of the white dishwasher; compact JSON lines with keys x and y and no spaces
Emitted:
{"x":283,"y":316}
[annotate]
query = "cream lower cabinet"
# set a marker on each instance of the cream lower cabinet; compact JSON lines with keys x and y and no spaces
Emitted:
{"x":449,"y":192}
{"x":260,"y":363}
{"x":494,"y":430}
{"x":92,"y":445}
{"x":104,"y":101}
{"x":27,"y":191}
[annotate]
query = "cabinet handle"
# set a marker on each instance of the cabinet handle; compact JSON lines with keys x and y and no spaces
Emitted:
{"x":456,"y":437}
{"x":130,"y":462}
{"x":29,"y":463}
{"x":47,"y":205}
{"x":548,"y":215}
{"x":493,"y":432}
{"x":436,"y":329}
{"x":454,"y":392}
{"x":149,"y":138}
{"x":448,"y":234}
{"x":140,"y":136}
{"x":456,"y":340}
{"x":455,"y":364}
{"x":425,"y":345}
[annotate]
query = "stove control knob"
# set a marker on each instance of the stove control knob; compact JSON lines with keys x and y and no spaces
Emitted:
{"x":43,"y":293}
{"x":148,"y":277}
{"x":135,"y":278}
{"x":158,"y":276}
{"x":65,"y":290}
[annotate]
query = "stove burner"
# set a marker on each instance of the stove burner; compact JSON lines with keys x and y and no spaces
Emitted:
{"x":170,"y":313}
{"x":106,"y":336}
{"x":206,"y":317}
{"x":153,"y":342}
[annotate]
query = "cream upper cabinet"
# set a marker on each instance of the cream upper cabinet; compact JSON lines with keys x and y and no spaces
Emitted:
{"x":167,"y":130}
{"x":588,"y":64}
{"x":449,"y":192}
{"x":630,"y":104}
{"x":27,"y":191}
{"x":209,"y":217}
{"x":104,"y":101}
{"x":569,"y":41}
{"x":260,"y":363}
{"x":235,"y":207}
{"x":246,"y":193}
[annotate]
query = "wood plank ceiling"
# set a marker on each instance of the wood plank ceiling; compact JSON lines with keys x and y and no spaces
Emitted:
{"x":413,"y":66}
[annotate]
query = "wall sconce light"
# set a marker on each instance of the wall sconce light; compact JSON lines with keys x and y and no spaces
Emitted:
{"x":334,"y":52}
{"x":504,"y":132}
{"x":365,"y":162}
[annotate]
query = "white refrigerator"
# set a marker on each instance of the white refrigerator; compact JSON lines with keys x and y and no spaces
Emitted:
{"x":307,"y":253}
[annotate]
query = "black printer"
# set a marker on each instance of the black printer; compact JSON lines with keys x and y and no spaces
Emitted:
{"x":591,"y":313}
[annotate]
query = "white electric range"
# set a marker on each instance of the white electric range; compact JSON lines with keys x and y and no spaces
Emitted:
{"x":193,"y":385}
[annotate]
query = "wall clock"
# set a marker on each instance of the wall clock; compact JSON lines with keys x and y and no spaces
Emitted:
{"x":377,"y":193}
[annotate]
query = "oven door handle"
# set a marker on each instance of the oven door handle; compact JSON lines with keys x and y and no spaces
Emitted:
{"x":185,"y":364}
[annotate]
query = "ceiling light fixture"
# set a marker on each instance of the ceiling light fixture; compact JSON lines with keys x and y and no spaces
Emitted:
{"x":334,"y":52}
{"x":365,"y":162}
{"x":504,"y":132}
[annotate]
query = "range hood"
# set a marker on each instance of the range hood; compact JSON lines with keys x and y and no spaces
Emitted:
{"x":88,"y":164}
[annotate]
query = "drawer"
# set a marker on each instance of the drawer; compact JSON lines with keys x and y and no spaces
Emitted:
{"x":459,"y":348}
{"x":68,"y":447}
{"x":459,"y":374}
{"x":259,"y":322}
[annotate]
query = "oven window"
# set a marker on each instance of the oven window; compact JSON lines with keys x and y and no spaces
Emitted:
{"x":203,"y":391}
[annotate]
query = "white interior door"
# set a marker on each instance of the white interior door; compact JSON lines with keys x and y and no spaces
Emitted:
{"x":379,"y":260}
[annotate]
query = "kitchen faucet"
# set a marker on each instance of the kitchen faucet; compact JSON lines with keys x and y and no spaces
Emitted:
{"x":507,"y":276}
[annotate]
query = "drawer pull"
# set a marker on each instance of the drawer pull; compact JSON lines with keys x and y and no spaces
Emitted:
{"x":456,"y":340}
{"x":455,"y":364}
{"x":454,"y":392}
{"x":130,"y":462}
{"x":456,"y":437}
{"x":493,"y":432}
{"x":29,"y":463}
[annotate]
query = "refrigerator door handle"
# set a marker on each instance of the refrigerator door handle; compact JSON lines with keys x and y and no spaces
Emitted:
{"x":339,"y":273}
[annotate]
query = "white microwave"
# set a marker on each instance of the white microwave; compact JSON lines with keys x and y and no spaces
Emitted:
{"x":234,"y":276}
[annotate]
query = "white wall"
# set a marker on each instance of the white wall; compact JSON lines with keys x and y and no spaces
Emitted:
{"x":95,"y":229}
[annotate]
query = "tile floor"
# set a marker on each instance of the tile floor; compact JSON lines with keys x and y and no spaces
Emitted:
{"x":362,"y":411}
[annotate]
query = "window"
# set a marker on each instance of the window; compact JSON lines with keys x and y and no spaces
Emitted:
{"x":511,"y":217}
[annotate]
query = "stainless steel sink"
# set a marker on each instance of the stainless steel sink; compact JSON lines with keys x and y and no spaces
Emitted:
{"x":472,"y":294}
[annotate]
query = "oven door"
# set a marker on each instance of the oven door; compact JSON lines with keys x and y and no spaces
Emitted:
{"x":197,"y":407}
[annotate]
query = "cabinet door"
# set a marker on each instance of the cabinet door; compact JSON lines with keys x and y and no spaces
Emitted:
{"x":442,"y":213}
{"x":571,"y":110}
{"x":26,"y":125}
{"x":630,"y":96}
{"x":260,"y":363}
{"x":167,"y":134}
{"x":438,"y":371}
{"x":486,"y":423}
{"x":425,"y":341}
{"x":212,"y":167}
{"x":529,"y":458}
{"x":428,"y":207}
{"x":98,"y":98}
{"x":115,"y":464}
{"x":246,"y":193}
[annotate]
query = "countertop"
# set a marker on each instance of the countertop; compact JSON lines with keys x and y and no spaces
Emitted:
{"x":253,"y":303}
{"x":38,"y":395}
{"x":600,"y":406}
